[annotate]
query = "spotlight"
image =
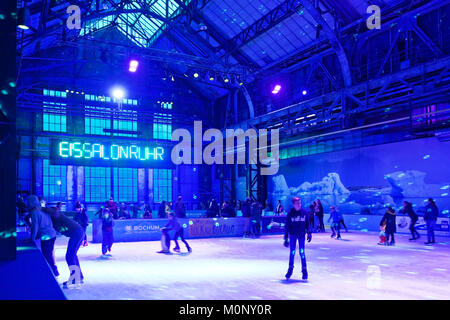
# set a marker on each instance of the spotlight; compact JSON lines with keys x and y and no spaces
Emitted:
{"x":225,"y":79}
{"x":304,"y":92}
{"x":23,"y":18}
{"x":118,"y":93}
{"x":133,"y":65}
{"x":276,"y":89}
{"x":196,"y":75}
{"x":172,"y":78}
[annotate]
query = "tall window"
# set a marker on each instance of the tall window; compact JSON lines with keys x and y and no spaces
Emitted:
{"x":54,"y":181}
{"x":162,"y":126}
{"x":54,"y":113}
{"x":99,"y":118}
{"x":125,"y":120}
{"x":97,"y":184}
{"x":162,"y":185}
{"x":125,"y":184}
{"x":96,"y":119}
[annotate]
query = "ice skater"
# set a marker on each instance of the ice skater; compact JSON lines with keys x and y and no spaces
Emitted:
{"x":107,"y":231}
{"x":296,"y":227}
{"x":336,"y":217}
{"x":408,"y":209}
{"x":389,"y":220}
{"x":42,"y":229}
{"x":71,"y":229}
{"x":318,"y":208}
{"x":430,"y":217}
{"x":382,"y":235}
{"x":173,"y":224}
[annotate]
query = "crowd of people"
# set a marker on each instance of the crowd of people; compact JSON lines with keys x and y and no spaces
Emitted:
{"x":46,"y":222}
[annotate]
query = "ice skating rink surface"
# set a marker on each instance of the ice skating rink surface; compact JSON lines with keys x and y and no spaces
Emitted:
{"x":236,"y":268}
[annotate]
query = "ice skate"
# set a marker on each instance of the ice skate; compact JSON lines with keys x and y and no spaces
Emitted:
{"x":289,"y":273}
{"x":338,"y":237}
{"x":72,"y":284}
{"x":304,"y":275}
{"x":177,"y":250}
{"x":163,"y":251}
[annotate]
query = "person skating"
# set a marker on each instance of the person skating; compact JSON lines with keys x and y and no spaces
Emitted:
{"x":389,"y":219}
{"x":107,"y":231}
{"x":318,"y":208}
{"x":430,"y":217}
{"x":71,"y":229}
{"x":173,"y":224}
{"x":408,"y":209}
{"x":335,"y":216}
{"x":42,"y":229}
{"x":296,"y":227}
{"x":82,"y":219}
{"x":256,"y":213}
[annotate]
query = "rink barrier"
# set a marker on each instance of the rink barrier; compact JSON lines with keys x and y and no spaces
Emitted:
{"x":131,"y":230}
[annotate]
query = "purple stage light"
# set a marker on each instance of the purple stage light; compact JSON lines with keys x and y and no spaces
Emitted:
{"x":133,"y":65}
{"x":276,"y":89}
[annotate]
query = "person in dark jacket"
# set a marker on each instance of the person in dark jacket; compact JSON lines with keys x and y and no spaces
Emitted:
{"x":391,"y":228}
{"x":107,"y":231}
{"x":82,"y":219}
{"x":279,"y":209}
{"x":147,"y":212}
{"x":312,"y":219}
{"x":318,"y":209}
{"x":296,"y":227}
{"x":213,"y":209}
{"x":42,"y":229}
{"x":134,"y":208}
{"x":256,"y":211}
{"x":180,"y":210}
{"x":112,"y":207}
{"x":71,"y":229}
{"x":123,"y":212}
{"x":408,"y":209}
{"x":247,"y":213}
{"x":162,"y":210}
{"x":173,"y":224}
{"x":430,"y":217}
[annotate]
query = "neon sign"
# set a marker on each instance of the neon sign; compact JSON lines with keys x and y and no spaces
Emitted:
{"x":84,"y":153}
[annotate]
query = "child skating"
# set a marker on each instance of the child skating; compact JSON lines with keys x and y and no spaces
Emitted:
{"x":336,"y":217}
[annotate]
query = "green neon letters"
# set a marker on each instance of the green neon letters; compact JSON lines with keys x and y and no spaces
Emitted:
{"x":109,"y":152}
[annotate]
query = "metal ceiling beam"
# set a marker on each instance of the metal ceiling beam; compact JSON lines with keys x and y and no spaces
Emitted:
{"x":193,"y":11}
{"x":263,"y":24}
{"x":335,"y":43}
